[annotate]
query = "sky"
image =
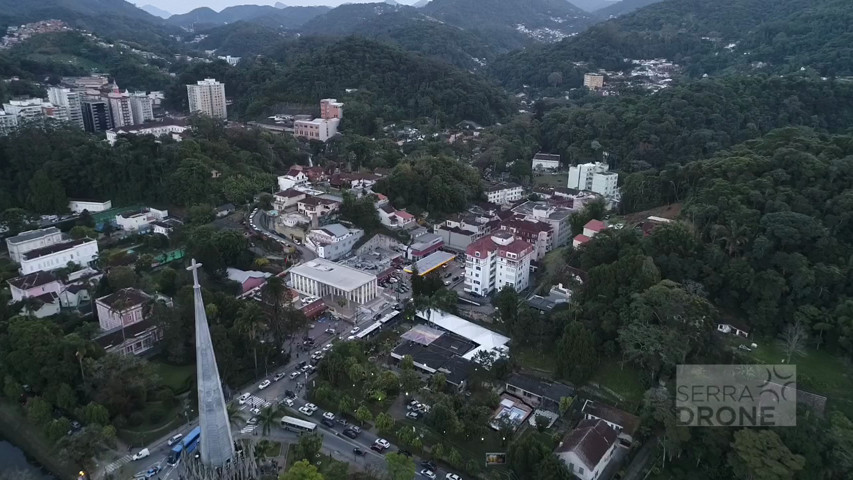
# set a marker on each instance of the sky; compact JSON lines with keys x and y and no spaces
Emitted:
{"x":183,"y":6}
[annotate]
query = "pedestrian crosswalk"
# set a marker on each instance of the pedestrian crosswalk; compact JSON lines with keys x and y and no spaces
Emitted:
{"x":112,"y":467}
{"x":248,"y":429}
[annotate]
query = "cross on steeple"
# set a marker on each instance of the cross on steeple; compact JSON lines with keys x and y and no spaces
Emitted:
{"x":194,"y":268}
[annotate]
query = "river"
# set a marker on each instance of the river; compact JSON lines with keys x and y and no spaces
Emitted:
{"x":13,"y":459}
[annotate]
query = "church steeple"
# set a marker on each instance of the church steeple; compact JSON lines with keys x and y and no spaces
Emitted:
{"x":216,"y":443}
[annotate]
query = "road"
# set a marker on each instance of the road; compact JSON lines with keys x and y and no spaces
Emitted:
{"x":334,"y":443}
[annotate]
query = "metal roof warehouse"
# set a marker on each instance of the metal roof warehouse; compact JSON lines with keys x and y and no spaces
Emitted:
{"x":431,"y":262}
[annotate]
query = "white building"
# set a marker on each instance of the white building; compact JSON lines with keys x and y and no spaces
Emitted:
{"x":321,"y":278}
{"x":92,"y":206}
{"x":393,"y":218}
{"x":208,"y":97}
{"x":58,"y":255}
{"x":332,"y":241}
{"x":316,"y":207}
{"x":34,"y":285}
{"x":321,"y":129}
{"x":594,"y":177}
{"x":172,"y":128}
{"x":503,"y":193}
{"x":587,"y":450}
{"x":233,"y":61}
{"x":545,"y":161}
{"x":495,"y":261}
{"x":33,"y":109}
{"x":8,"y":123}
{"x":142,"y":106}
{"x":121,"y":109}
{"x":34,"y":239}
{"x":69,"y":100}
{"x":287,"y":199}
{"x":295,"y":176}
{"x":556,"y":216}
{"x":140,"y":219}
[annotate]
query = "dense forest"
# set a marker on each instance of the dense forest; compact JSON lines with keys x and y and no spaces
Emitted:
{"x":704,"y":37}
{"x":40,"y":168}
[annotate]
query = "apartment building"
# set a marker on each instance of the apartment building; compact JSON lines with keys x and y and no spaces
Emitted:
{"x":25,"y":242}
{"x":208,"y":97}
{"x":495,"y":261}
{"x":554,"y":215}
{"x":58,"y":255}
{"x":503,"y":193}
{"x":537,"y":233}
{"x":594,"y":177}
{"x":71,"y":101}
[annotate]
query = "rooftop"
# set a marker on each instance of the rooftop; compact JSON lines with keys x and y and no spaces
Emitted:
{"x":595,"y":225}
{"x":547,"y":156}
{"x":317,"y":201}
{"x":485,"y":339}
{"x":118,"y":335}
{"x":124,"y":299}
{"x":32,"y":280}
{"x":334,"y":274}
{"x":581,"y":238}
{"x":486,"y":244}
{"x":628,"y":422}
{"x":335,"y":230}
{"x":32,"y":235}
{"x":590,"y":440}
{"x":57,"y":247}
{"x":538,"y":386}
{"x":290,"y":193}
{"x":431,"y":262}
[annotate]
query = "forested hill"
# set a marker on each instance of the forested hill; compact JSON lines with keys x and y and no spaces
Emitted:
{"x":112,"y":19}
{"x":622,"y":8}
{"x":287,"y":17}
{"x":704,"y":37}
{"x":347,"y":18}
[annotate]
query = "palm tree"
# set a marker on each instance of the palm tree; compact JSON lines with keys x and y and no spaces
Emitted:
{"x":235,"y":415}
{"x":251,"y":323}
{"x":273,"y":291}
{"x":268,"y":418}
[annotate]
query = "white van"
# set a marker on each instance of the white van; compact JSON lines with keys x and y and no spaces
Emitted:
{"x":141,"y":454}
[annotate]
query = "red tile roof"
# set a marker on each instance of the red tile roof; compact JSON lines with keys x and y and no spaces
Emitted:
{"x":590,"y":440}
{"x":486,"y":245}
{"x":595,"y":225}
{"x":582,"y":239}
{"x":404,"y":215}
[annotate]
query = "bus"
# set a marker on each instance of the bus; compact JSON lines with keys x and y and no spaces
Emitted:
{"x":188,"y":443}
{"x":297,"y":425}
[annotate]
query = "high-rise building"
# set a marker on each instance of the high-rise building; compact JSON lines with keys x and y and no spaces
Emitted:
{"x":8,"y":123}
{"x":142,"y":106}
{"x":121,"y":110}
{"x":216,"y":444}
{"x":96,"y":116}
{"x":32,"y":109}
{"x":593,"y":81}
{"x":70,"y":101}
{"x":208,"y":97}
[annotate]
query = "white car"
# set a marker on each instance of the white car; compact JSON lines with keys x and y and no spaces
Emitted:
{"x":288,"y":402}
{"x":140,"y":454}
{"x":264,"y":384}
{"x":327,"y":347}
{"x":329,"y":416}
{"x":294,"y":375}
{"x":428,"y":473}
{"x":306,"y":411}
{"x":255,"y":411}
{"x":177,"y":438}
{"x":383,"y":443}
{"x":311,"y":406}
{"x":243,"y":398}
{"x":452,"y":476}
{"x":354,"y":330}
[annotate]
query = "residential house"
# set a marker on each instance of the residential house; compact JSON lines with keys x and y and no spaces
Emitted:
{"x":140,"y":219}
{"x":92,"y":206}
{"x":294,"y":176}
{"x":623,"y":423}
{"x":587,"y":450}
{"x":41,"y":289}
{"x":74,"y":296}
{"x":124,"y":320}
{"x":538,"y":393}
{"x":393,"y":218}
{"x":248,"y":279}
{"x":459,"y":231}
{"x":503,"y":193}
{"x":32,"y":240}
{"x":590,"y":230}
{"x":287,"y":199}
{"x":316,"y":207}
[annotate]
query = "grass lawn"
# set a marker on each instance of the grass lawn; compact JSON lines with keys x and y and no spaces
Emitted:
{"x":536,"y":359}
{"x":177,"y":378}
{"x":623,"y":381}
{"x":818,"y":372}
{"x":548,"y":180}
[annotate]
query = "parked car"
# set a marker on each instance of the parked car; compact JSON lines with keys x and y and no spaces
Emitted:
{"x":354,"y":330}
{"x":382,"y":443}
{"x":264,"y":384}
{"x":140,"y":454}
{"x":294,"y":375}
{"x":428,"y":473}
{"x":413,"y":415}
{"x":288,"y":402}
{"x":429,"y":464}
{"x":177,"y":438}
{"x":289,"y":394}
{"x":312,"y":407}
{"x":306,"y":411}
{"x":328,"y":423}
{"x":243,"y":398}
{"x":329,"y":415}
{"x":452,"y":476}
{"x":350,"y":433}
{"x":278,"y":376}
